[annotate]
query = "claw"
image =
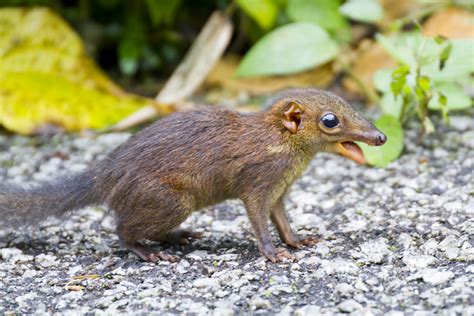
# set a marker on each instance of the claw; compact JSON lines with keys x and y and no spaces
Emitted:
{"x":303,"y":242}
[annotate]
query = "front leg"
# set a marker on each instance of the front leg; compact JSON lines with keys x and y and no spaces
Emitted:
{"x":259,"y":212}
{"x":280,"y":220}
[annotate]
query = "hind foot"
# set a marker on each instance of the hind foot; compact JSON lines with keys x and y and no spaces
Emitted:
{"x":182,"y":236}
{"x":150,"y":255}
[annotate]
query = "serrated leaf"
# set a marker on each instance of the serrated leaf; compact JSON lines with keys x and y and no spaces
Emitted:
{"x":264,"y":12}
{"x":368,"y":11}
{"x":381,"y":156}
{"x":288,"y":49}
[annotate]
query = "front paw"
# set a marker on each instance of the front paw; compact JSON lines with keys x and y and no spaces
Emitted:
{"x":276,"y":255}
{"x":299,"y":243}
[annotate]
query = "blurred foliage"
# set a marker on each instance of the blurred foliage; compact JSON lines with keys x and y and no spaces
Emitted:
{"x":305,"y":46}
{"x":413,"y":73}
{"x":392,"y":128}
{"x":138,"y":38}
{"x":47,"y":79}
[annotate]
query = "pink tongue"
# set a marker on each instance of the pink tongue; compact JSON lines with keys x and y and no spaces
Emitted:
{"x":356,"y":153}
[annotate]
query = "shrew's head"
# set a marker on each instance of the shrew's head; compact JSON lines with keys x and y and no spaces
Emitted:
{"x":322,"y":121}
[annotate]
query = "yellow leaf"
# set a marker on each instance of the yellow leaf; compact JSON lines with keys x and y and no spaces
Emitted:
{"x":47,"y":78}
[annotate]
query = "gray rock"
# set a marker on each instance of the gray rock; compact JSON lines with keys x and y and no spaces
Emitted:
{"x":349,"y":306}
{"x":436,"y":277}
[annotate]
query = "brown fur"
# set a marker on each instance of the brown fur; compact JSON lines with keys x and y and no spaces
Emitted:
{"x":193,"y":159}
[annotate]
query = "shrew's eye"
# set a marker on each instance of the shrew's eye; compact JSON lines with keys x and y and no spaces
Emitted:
{"x":330,"y":120}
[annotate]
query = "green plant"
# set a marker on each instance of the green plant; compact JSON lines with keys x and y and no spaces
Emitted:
{"x":431,"y":77}
{"x":311,"y":32}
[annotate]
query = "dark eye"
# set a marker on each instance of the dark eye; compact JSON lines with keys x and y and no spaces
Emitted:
{"x":330,"y":120}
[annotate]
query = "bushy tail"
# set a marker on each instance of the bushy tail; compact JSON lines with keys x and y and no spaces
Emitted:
{"x":24,"y":206}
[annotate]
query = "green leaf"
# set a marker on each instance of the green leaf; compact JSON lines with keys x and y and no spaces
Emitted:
{"x":130,"y":51}
{"x":162,"y":11}
{"x":458,"y":66}
{"x":133,"y":40}
{"x":445,"y":55}
{"x":424,"y":83}
{"x":440,"y":39}
{"x":399,"y":78}
{"x":400,"y":47}
{"x":456,"y":97}
{"x":288,"y":49}
{"x":368,"y":11}
{"x":443,"y":102}
{"x":391,"y":105}
{"x":382,"y":79}
{"x":324,"y":13}
{"x":264,"y":12}
{"x":48,"y":79}
{"x":381,"y":156}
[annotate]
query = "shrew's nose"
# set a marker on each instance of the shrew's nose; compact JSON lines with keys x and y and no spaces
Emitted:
{"x":380,"y":139}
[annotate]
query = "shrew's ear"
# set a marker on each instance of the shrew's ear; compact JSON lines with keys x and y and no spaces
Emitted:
{"x":291,"y":116}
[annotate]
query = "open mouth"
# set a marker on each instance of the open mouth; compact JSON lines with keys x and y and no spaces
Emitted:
{"x":352,"y":151}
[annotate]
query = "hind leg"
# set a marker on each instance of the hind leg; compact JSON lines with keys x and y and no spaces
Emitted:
{"x":155,"y":225}
{"x":180,"y":236}
{"x":130,"y":242}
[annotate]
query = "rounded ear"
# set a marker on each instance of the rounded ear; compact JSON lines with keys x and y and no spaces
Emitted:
{"x":291,"y":117}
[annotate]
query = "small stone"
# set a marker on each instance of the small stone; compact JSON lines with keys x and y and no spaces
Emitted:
{"x":182,"y":266}
{"x":436,"y":277}
{"x":374,"y":250}
{"x":453,"y":206}
{"x":206,"y":283}
{"x":259,"y":303}
{"x":344,"y":288}
{"x":308,"y":310}
{"x":349,"y":306}
{"x":8,"y":253}
{"x":430,"y":246}
{"x":468,"y":138}
{"x":452,"y":253}
{"x":408,"y":192}
{"x":418,"y":261}
{"x":46,"y":261}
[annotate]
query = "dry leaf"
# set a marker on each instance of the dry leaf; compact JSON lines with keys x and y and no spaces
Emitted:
{"x":87,"y":276}
{"x":223,"y":75}
{"x":452,"y":23}
{"x":74,"y":287}
{"x":396,"y":9}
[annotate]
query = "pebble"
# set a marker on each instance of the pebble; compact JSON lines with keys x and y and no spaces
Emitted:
{"x":349,"y":306}
{"x":436,"y":277}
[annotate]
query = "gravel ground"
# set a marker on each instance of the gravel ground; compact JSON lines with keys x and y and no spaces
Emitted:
{"x":395,"y":241}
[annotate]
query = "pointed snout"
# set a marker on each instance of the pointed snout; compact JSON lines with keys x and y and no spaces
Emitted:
{"x":380,"y":139}
{"x":373,"y":138}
